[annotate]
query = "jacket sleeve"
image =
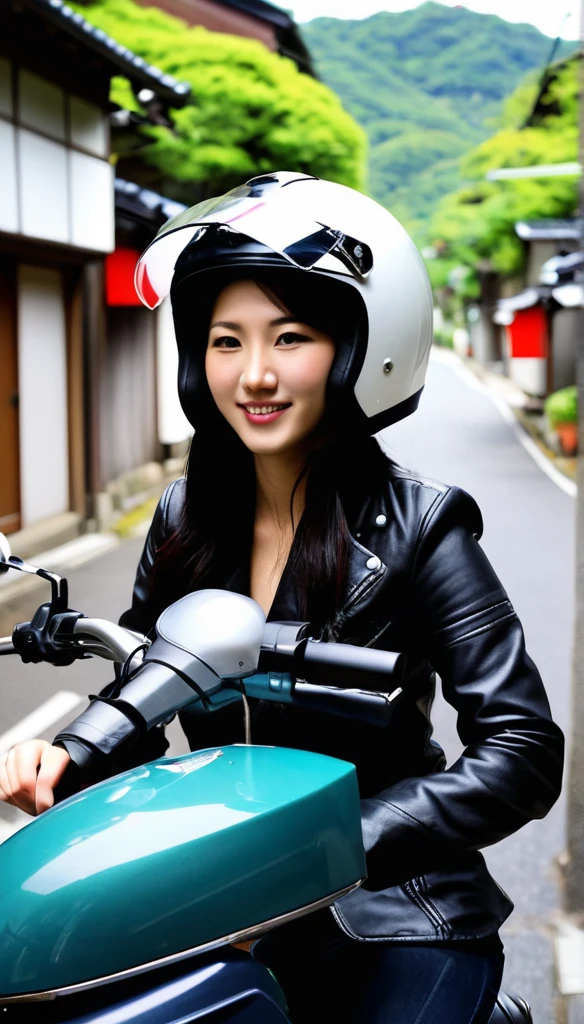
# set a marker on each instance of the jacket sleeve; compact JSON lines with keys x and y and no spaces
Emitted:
{"x":147,"y":605}
{"x":511,"y":768}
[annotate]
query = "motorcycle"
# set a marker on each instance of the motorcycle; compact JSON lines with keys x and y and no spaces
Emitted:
{"x":130,"y":899}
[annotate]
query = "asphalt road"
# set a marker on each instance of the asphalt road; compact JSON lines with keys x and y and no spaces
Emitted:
{"x":457,"y":436}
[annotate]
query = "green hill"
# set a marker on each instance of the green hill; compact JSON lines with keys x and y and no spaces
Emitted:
{"x":427,"y":85}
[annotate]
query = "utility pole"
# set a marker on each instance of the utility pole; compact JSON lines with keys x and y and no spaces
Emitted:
{"x":575,"y":777}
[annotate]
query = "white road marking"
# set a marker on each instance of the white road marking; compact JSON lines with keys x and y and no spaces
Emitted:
{"x":42,"y":718}
{"x":561,"y":481}
{"x":569,"y":949}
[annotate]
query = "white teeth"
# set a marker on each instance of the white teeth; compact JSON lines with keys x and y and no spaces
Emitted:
{"x":258,"y":410}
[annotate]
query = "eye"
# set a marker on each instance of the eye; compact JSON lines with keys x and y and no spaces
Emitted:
{"x":290,"y":338}
{"x":225,"y":341}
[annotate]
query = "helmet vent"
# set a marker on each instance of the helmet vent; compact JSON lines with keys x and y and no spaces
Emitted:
{"x":263,"y":179}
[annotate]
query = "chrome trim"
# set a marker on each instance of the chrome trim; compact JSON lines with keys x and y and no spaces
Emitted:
{"x":248,"y":933}
{"x":117,"y":643}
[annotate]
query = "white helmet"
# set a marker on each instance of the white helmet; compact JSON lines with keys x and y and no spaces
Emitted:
{"x":296,"y":222}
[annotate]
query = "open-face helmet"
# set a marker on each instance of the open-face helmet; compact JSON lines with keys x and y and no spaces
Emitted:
{"x":295,"y":223}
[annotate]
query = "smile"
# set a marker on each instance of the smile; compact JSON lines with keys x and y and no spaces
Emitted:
{"x":264,"y":413}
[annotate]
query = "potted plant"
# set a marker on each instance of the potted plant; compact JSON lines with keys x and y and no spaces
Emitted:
{"x":561,"y":409}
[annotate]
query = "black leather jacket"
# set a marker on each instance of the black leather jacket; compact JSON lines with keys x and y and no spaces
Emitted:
{"x":418,"y":582}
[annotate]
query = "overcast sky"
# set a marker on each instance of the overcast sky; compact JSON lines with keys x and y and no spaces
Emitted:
{"x":548,"y":16}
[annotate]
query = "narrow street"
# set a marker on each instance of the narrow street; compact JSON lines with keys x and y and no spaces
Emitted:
{"x":458,"y":436}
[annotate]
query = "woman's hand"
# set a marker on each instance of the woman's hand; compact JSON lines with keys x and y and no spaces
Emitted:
{"x":29,"y":773}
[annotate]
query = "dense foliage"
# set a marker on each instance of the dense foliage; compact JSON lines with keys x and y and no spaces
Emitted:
{"x":475,"y":225}
{"x":427,"y":85}
{"x":252,"y":110}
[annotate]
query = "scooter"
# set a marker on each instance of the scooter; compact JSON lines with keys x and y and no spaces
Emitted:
{"x":129,"y":900}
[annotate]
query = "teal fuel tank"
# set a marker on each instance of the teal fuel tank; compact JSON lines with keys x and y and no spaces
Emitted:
{"x":176,"y":855}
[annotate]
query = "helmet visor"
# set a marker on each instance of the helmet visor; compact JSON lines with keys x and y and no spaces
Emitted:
{"x":259,"y":214}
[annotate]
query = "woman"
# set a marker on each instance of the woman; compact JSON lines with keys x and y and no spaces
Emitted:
{"x":303,"y":321}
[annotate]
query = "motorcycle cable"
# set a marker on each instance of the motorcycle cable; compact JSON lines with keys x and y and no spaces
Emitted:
{"x":246,"y":716}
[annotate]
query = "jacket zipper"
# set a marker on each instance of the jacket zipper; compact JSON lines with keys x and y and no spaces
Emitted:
{"x":446,"y":927}
{"x":362,"y":589}
{"x":373,"y":641}
{"x":415,"y":890}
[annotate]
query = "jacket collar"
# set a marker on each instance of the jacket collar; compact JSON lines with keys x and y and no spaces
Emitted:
{"x":365,"y":570}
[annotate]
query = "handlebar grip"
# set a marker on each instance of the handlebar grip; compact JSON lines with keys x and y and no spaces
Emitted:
{"x":368,"y":707}
{"x":347,"y":666}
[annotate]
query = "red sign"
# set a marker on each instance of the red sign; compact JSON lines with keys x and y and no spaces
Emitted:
{"x":528,"y":334}
{"x":119,"y":278}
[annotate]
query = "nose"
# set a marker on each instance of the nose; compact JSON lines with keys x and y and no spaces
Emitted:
{"x":258,"y":373}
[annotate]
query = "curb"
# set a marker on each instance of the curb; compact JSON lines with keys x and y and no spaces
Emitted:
{"x":513,"y":403}
{"x":518,"y":403}
{"x":18,"y":592}
{"x":16,"y":587}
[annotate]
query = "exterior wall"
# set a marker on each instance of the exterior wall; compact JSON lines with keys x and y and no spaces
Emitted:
{"x":217,"y":18}
{"x":56,"y":212}
{"x":483,"y":339}
{"x":530,"y":375}
{"x":540,"y":251}
{"x":565,"y":326}
{"x":128,"y":427}
{"x":56,"y":183}
{"x":528,"y":348}
{"x":9,"y":448}
{"x":82,"y":390}
{"x":42,"y":373}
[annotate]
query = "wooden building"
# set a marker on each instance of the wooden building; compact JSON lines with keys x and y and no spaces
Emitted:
{"x":141,"y":420}
{"x":56,"y":226}
{"x":253,"y":19}
{"x":540,"y":322}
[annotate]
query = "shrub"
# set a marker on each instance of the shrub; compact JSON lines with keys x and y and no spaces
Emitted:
{"x":251,"y":110}
{"x":562,"y":406}
{"x":443,"y":337}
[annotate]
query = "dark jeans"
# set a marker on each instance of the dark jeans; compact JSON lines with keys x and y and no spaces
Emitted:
{"x":330,"y":979}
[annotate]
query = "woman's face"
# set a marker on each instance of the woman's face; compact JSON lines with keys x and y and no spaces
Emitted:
{"x":266,"y":371}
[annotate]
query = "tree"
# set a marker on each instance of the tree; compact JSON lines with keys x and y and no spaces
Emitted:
{"x":475,"y":225}
{"x":252,"y":110}
{"x":427,"y":85}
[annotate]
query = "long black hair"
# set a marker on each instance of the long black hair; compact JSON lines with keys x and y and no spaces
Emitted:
{"x":344,"y":466}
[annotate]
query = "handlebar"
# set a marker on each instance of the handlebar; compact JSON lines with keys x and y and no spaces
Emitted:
{"x":287,"y":648}
{"x":349,"y":666}
{"x":117,"y":643}
{"x":206,"y":646}
{"x":6,"y":645}
{"x":368,"y":707}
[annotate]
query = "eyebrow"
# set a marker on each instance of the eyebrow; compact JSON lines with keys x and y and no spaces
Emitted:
{"x":232,"y":326}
